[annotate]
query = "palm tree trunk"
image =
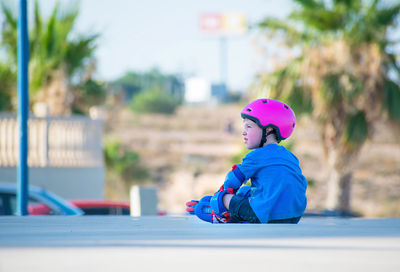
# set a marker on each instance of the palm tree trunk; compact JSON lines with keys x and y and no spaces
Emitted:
{"x":344,"y":206}
{"x":339,"y":181}
{"x":340,"y":162}
{"x":57,"y":94}
{"x":332,"y":200}
{"x":339,"y":192}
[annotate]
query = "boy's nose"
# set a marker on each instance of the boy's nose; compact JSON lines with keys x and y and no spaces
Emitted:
{"x":243,"y":132}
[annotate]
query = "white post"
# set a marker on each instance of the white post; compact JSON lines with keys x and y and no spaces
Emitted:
{"x":144,"y":200}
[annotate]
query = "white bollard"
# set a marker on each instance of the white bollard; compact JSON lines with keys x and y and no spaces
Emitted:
{"x":144,"y":200}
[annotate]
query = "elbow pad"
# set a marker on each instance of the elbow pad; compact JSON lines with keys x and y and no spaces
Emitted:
{"x":234,"y":179}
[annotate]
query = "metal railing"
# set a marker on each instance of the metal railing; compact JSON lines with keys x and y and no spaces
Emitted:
{"x":74,"y":141}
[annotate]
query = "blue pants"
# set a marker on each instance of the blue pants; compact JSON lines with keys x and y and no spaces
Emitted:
{"x":241,"y":211}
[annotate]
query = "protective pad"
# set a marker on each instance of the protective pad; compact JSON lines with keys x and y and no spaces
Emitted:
{"x":231,"y":181}
{"x":239,"y":175}
{"x":217,"y":205}
{"x":203,"y":209}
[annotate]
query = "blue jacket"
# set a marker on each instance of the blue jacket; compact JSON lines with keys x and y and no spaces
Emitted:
{"x":278,"y":185}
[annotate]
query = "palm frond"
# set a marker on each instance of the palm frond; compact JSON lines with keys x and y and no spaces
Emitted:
{"x":291,"y":33}
{"x":310,"y":4}
{"x":386,"y":16}
{"x":49,"y":38}
{"x":8,"y":79}
{"x":392,"y":100}
{"x":10,"y":16}
{"x":37,"y":18}
{"x":275,"y":24}
{"x":77,"y":52}
{"x":321,"y":20}
{"x":9,"y":31}
{"x":393,"y":65}
{"x":372,"y":25}
{"x":36,"y":33}
{"x":331,"y":90}
{"x":285,"y":86}
{"x":351,"y":5}
{"x":66,"y":22}
{"x":356,"y":130}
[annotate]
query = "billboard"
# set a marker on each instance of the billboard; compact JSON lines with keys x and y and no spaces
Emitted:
{"x":232,"y":23}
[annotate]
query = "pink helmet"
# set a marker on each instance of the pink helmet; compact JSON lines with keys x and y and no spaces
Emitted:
{"x":271,"y":113}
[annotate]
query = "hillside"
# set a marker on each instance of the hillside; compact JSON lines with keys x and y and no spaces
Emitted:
{"x":190,"y":152}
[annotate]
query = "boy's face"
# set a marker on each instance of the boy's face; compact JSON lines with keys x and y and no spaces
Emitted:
{"x":252,"y":134}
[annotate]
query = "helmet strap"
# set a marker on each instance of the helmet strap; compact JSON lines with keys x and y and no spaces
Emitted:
{"x":264,"y":136}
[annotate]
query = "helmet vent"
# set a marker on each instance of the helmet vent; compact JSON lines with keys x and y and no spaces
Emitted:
{"x":248,"y":109}
{"x":265,"y":101}
{"x":286,"y":107}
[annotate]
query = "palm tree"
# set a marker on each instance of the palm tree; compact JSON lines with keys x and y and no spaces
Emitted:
{"x":343,"y":74}
{"x":56,"y":57}
{"x":8,"y":82}
{"x":8,"y":71}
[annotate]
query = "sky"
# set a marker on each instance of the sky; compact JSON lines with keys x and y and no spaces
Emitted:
{"x":165,"y":34}
{"x":141,"y":35}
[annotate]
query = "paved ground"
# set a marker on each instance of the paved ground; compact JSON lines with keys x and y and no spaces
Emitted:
{"x":187,"y":244}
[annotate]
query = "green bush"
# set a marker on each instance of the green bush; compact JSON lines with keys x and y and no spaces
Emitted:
{"x":90,"y":93}
{"x":125,"y":163}
{"x":237,"y":158}
{"x":154,"y":101}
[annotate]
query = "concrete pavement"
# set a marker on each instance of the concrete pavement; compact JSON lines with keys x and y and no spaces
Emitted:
{"x":184,"y":243}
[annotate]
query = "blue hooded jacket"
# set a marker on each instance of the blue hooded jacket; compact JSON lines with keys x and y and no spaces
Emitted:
{"x":278,"y":185}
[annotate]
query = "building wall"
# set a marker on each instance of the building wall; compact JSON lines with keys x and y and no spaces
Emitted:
{"x":67,"y":182}
{"x":65,"y":154}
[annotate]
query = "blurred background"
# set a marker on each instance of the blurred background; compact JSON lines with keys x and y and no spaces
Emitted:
{"x":149,"y":93}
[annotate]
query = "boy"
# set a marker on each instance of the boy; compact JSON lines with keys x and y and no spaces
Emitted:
{"x":278,"y":187}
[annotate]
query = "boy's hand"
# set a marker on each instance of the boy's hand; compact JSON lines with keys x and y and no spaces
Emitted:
{"x":190,"y":205}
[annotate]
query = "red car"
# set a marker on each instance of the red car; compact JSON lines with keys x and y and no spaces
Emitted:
{"x":105,"y":207}
{"x":102,"y":207}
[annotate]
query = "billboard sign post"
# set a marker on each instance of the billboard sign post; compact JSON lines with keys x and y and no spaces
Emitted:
{"x":223,"y":25}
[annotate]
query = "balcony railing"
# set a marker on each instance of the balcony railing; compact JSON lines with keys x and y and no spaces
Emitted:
{"x":74,"y":141}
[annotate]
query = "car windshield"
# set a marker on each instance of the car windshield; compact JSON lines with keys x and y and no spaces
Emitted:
{"x":32,"y":202}
{"x":68,"y":208}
